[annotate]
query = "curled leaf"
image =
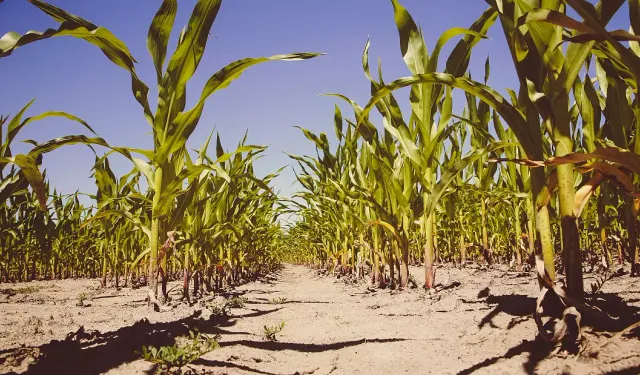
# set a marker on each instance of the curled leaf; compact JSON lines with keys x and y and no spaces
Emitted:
{"x":584,"y":193}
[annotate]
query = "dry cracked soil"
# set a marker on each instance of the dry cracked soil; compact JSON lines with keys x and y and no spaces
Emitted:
{"x":478,"y":322}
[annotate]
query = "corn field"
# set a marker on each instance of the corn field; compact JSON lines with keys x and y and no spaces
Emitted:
{"x":210,"y":218}
{"x":543,"y":177}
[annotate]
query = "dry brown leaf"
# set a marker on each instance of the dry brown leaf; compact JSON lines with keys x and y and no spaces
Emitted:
{"x":527,"y":162}
{"x":583,"y":194}
{"x":545,"y":194}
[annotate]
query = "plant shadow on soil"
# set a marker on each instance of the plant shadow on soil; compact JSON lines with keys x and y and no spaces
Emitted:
{"x":265,"y":301}
{"x":521,"y":306}
{"x":93,"y":352}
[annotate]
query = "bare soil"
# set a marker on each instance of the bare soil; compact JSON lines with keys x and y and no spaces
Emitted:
{"x":478,"y":322}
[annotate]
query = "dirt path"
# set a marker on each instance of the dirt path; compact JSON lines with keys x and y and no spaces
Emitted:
{"x":480,"y":324}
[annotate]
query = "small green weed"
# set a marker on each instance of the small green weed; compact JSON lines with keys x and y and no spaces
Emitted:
{"x":271,"y":331}
{"x":82,"y":297}
{"x":183,"y":352}
{"x":277,"y":300}
{"x":236,"y":302}
{"x":218,"y":309}
{"x":33,"y":325}
{"x":27,"y":289}
{"x":22,"y":290}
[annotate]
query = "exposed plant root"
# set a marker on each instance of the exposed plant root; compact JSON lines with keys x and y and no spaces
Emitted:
{"x":565,"y":331}
{"x":154,"y":304}
{"x":619,"y":334}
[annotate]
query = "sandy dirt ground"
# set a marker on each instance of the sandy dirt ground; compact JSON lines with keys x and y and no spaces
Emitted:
{"x":479,"y":322}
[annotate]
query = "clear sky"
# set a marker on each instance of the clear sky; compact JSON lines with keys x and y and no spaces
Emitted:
{"x":70,"y":75}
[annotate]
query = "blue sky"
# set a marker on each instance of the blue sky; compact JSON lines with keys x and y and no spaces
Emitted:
{"x":69,"y":75}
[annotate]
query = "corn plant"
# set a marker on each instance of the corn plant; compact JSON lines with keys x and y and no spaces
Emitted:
{"x":172,"y":122}
{"x":560,"y":153}
{"x":270,"y":332}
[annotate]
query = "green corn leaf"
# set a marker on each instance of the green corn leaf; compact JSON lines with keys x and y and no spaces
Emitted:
{"x":159,"y":33}
{"x":186,"y":58}
{"x":185,"y":122}
{"x":412,"y":46}
{"x":119,"y":213}
{"x":175,"y":187}
{"x":75,"y":26}
{"x":448,"y":176}
{"x":432,"y":65}
{"x":219,"y":149}
{"x":511,"y":115}
{"x":458,"y":61}
{"x":29,"y":168}
{"x":137,"y":260}
{"x":338,"y":123}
